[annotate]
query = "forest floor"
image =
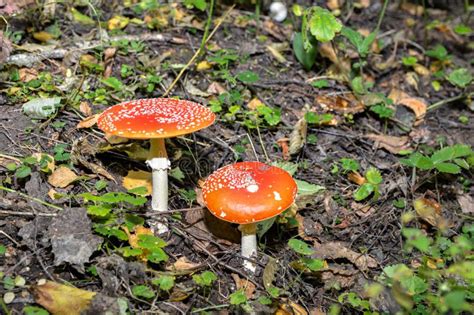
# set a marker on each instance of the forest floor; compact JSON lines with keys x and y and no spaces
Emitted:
{"x":379,"y":142}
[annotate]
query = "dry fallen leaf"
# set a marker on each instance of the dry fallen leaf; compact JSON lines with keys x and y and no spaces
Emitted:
{"x":347,"y":104}
{"x":276,"y":53}
{"x":430,"y":211}
{"x":115,"y":139}
{"x":392,"y":144}
{"x":50,"y":165}
{"x":417,"y":105}
{"x":42,"y":36}
{"x":27,"y":74}
{"x":136,"y":179}
{"x":85,"y":108}
{"x":62,"y":177}
{"x":203,"y":65}
{"x":182,"y":264}
{"x":216,"y":88}
{"x":335,"y":250}
{"x":117,"y":22}
{"x":298,"y":136}
{"x":467,"y":203}
{"x":88,"y":122}
{"x":109,"y":54}
{"x":288,"y":307}
{"x":254,"y":104}
{"x":249,"y":287}
{"x":283,"y":144}
{"x":411,"y":8}
{"x":269,"y":272}
{"x":333,"y":4}
{"x":61,"y":299}
{"x":133,"y":238}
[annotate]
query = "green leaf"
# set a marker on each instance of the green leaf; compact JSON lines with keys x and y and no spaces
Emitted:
{"x":313,"y":264}
{"x":460,"y":77}
{"x":274,"y":292}
{"x":264,"y":226}
{"x":448,"y":168}
{"x":157,"y":255}
{"x":248,"y":77}
{"x":445,"y":154}
{"x":81,"y":18}
{"x":438,"y":52}
{"x":323,"y":24}
{"x":300,"y":247}
{"x":3,"y":250}
{"x":463,"y":29}
{"x":349,"y":165}
{"x":264,"y":300}
{"x":34,"y":310}
{"x":113,"y":83}
{"x":100,"y":184}
{"x":307,"y":57}
{"x":366,"y":43}
{"x":177,"y":173}
{"x":354,"y":37}
{"x":165,"y":282}
{"x":205,"y":279}
{"x":358,"y":85}
{"x":319,"y":84}
{"x":363,"y":191}
{"x":373,"y":176}
{"x":313,"y":118}
{"x":41,"y":108}
{"x":456,"y":300}
{"x":150,"y":242}
{"x":382,"y":111}
{"x":462,"y":163}
{"x":416,"y":238}
{"x":305,"y":188}
{"x":100,"y":210}
{"x":409,"y":61}
{"x":130,"y":252}
{"x":414,"y":285}
{"x":143,"y":291}
{"x":238,"y":297}
{"x":23,"y":171}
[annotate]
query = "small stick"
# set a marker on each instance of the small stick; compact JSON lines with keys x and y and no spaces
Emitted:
{"x":31,"y":198}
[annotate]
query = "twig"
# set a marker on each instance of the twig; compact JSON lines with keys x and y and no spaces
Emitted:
{"x":203,"y":43}
{"x":446,"y":101}
{"x":31,"y":198}
{"x":382,"y":14}
{"x":29,"y":214}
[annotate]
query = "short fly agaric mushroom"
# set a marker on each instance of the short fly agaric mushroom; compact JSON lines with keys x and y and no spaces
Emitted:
{"x":156,"y":119}
{"x":246,"y":193}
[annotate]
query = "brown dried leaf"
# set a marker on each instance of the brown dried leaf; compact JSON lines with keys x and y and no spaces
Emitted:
{"x":355,"y":177}
{"x":62,"y":177}
{"x":85,"y":108}
{"x":467,"y":203}
{"x":335,"y":250}
{"x":216,"y":88}
{"x":333,"y":4}
{"x":347,"y":104}
{"x":182,"y":264}
{"x":430,"y":211}
{"x":249,"y":287}
{"x":289,"y":307}
{"x":136,"y":179}
{"x":6,"y":47}
{"x":392,"y":144}
{"x":109,"y":54}
{"x":275,"y":52}
{"x":88,"y":122}
{"x":269,"y":272}
{"x":283,"y":144}
{"x":254,"y":104}
{"x":61,"y":299}
{"x":27,"y":74}
{"x":411,"y":8}
{"x":298,"y":136}
{"x":417,"y":105}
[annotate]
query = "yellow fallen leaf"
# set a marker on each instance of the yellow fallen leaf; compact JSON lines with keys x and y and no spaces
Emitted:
{"x":42,"y":36}
{"x":254,"y":104}
{"x":136,"y":179}
{"x":85,"y":109}
{"x":276,"y":53}
{"x":392,"y":144}
{"x":62,"y":177}
{"x":88,"y":122}
{"x":430,"y":211}
{"x":203,"y":65}
{"x":246,"y":285}
{"x":133,"y":238}
{"x":60,"y":299}
{"x":421,"y":70}
{"x":117,"y":22}
{"x":49,"y":165}
{"x":417,"y":105}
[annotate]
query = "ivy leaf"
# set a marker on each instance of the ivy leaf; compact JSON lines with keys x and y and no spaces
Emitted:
{"x":313,"y":264}
{"x":460,"y":77}
{"x":323,"y":25}
{"x":157,"y":255}
{"x":164,"y":282}
{"x":300,"y":247}
{"x":205,"y":279}
{"x":248,"y":77}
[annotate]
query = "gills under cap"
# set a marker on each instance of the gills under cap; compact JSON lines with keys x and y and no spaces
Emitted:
{"x":155,"y":118}
{"x":248,"y":192}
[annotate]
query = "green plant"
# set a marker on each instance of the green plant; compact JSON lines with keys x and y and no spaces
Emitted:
{"x":349,"y":165}
{"x":451,"y":159}
{"x":205,"y":279}
{"x":461,"y":77}
{"x":318,"y":24}
{"x":373,"y":180}
{"x":305,"y":262}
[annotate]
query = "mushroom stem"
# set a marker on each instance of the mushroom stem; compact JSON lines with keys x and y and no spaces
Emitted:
{"x":249,"y":244}
{"x":159,"y":164}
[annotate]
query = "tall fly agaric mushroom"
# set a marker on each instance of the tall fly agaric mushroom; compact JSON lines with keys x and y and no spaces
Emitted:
{"x":246,"y":193}
{"x":156,"y":119}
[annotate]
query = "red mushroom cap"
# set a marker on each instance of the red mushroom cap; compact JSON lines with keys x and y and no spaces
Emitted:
{"x":248,"y":192}
{"x":155,"y":118}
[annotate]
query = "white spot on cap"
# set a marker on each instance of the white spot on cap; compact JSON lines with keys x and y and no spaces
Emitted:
{"x":223,"y":214}
{"x":277,"y":195}
{"x":252,"y":188}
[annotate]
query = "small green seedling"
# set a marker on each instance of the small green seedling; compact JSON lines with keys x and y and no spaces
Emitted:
{"x":373,"y":180}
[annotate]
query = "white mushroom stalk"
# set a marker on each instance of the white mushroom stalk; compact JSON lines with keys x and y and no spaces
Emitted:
{"x":249,"y":245}
{"x":159,"y":163}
